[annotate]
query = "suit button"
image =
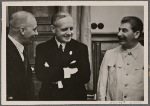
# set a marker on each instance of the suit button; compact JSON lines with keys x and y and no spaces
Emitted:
{"x":127,"y":74}
{"x":125,"y":96}
{"x":126,"y":85}
{"x":128,"y":64}
{"x":129,"y":53}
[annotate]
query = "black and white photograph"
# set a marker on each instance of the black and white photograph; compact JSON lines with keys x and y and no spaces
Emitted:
{"x":74,"y":52}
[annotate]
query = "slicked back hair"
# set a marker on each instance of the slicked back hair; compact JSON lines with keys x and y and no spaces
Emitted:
{"x":135,"y":22}
{"x":58,"y":16}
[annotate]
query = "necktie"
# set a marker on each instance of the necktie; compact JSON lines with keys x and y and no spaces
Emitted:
{"x":60,"y":48}
{"x":25,"y":60}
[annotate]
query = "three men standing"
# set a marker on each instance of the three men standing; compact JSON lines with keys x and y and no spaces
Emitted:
{"x":62,"y":64}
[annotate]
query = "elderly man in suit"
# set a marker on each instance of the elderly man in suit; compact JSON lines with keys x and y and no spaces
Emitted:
{"x":23,"y":27}
{"x":62,"y":63}
{"x":121,"y":75}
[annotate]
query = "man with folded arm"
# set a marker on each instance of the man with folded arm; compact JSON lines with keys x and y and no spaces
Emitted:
{"x":62,"y":64}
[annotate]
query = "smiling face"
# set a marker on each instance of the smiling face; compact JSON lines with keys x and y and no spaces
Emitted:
{"x":64,"y":29}
{"x":127,"y":37}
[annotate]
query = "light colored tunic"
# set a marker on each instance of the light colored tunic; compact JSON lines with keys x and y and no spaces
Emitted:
{"x":121,"y":75}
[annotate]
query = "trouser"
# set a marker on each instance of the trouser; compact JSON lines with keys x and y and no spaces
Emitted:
{"x":54,"y":93}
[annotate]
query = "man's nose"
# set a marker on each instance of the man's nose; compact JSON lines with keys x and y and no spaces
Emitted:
{"x":36,"y":32}
{"x":120,"y":33}
{"x":69,"y":31}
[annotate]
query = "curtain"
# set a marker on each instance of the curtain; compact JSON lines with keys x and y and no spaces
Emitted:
{"x":82,"y":30}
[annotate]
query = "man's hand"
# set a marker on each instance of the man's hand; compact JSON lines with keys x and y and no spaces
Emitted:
{"x":68,"y":71}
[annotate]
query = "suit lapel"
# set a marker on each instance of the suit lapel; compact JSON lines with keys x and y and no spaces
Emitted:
{"x":54,"y":56}
{"x":12,"y":48}
{"x":68,"y":47}
{"x":52,"y":46}
{"x":69,"y":52}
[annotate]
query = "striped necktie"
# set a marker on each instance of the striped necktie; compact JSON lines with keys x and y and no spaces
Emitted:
{"x":60,"y":48}
{"x":25,"y":60}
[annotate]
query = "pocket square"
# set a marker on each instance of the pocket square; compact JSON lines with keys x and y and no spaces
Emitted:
{"x":46,"y":64}
{"x":73,"y":62}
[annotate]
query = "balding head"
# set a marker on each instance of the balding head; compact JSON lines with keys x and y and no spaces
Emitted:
{"x":23,"y":26}
{"x":20,"y":19}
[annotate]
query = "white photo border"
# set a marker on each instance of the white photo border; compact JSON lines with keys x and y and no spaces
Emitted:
{"x":72,"y":3}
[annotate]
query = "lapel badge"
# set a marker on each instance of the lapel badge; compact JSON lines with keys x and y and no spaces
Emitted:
{"x":46,"y":64}
{"x":70,"y":52}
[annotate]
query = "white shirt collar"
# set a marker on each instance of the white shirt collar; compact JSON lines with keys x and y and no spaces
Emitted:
{"x":58,"y":44}
{"x":19,"y":46}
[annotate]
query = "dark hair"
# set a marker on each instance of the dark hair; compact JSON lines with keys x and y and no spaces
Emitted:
{"x":58,"y":16}
{"x":136,"y":23}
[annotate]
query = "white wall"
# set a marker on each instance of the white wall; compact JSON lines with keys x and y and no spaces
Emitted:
{"x":7,"y":18}
{"x":111,"y":16}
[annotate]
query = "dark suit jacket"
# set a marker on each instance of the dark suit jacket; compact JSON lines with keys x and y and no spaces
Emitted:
{"x":18,"y":82}
{"x":48,"y":52}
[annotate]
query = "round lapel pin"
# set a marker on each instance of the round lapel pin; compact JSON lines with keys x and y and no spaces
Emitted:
{"x":70,"y":52}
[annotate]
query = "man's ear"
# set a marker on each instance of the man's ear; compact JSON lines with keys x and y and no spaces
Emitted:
{"x":53,"y":28}
{"x":22,"y":30}
{"x":137,"y":34}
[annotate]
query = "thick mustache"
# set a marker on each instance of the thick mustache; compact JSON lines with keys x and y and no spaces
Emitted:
{"x":121,"y":38}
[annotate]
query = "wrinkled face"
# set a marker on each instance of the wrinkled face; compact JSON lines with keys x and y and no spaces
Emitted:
{"x":126,"y":35}
{"x":30,"y":31}
{"x":64,"y":29}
